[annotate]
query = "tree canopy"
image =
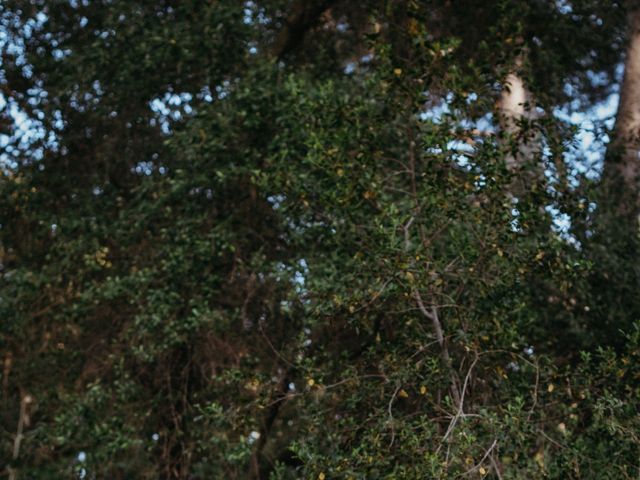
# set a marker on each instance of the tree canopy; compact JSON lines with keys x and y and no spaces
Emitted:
{"x":282,"y":239}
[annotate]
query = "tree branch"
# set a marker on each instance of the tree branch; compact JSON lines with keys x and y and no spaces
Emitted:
{"x":304,"y":15}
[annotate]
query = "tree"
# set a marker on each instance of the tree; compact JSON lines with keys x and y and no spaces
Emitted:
{"x":274,"y":240}
{"x":620,"y":177}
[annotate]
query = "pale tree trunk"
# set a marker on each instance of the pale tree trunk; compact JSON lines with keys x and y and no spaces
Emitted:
{"x":622,"y":165}
{"x":517,"y":114}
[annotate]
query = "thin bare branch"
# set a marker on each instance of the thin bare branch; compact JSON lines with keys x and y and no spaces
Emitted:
{"x":460,"y":413}
{"x":484,"y":457}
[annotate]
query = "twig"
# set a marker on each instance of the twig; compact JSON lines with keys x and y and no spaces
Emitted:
{"x":391,"y":420}
{"x":291,"y":395}
{"x":496,"y":467}
{"x":6,"y":371}
{"x":435,"y":321}
{"x":24,"y":403}
{"x":460,"y":411}
{"x":479,"y":464}
{"x":444,"y":351}
{"x":535,"y":392}
{"x":274,"y":349}
{"x":405,"y":228}
{"x":375,"y":296}
{"x":555,"y":442}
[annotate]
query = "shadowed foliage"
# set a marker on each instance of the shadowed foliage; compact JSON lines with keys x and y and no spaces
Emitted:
{"x":281,"y":239}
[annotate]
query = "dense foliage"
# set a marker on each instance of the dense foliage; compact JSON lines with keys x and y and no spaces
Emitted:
{"x":275,"y":239}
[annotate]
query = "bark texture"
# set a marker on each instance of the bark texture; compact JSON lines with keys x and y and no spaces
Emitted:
{"x":622,"y":167}
{"x":517,"y":116}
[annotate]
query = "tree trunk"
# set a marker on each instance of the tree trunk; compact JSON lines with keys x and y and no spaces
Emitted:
{"x":621,"y":199}
{"x":615,"y":244}
{"x":517,"y":114}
